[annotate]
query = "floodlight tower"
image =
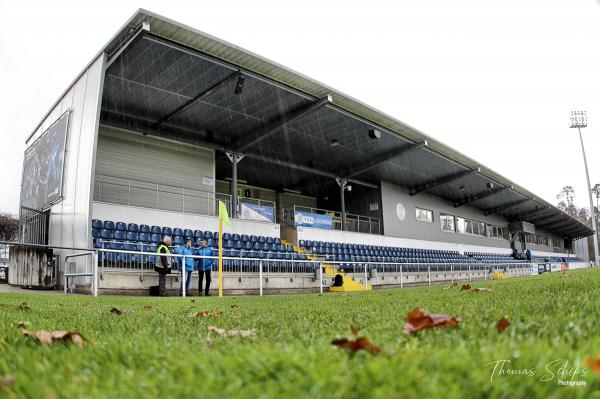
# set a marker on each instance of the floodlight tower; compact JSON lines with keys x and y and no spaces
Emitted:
{"x":579,"y":120}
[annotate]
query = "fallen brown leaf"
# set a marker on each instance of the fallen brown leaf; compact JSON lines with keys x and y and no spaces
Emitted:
{"x":502,"y":324}
{"x":482,"y":289}
{"x":6,"y":381}
{"x":193,"y":301}
{"x":454,"y":284}
{"x":233,"y":306}
{"x":594,"y":364}
{"x":360,"y":343}
{"x":4,"y":305}
{"x":49,"y":337}
{"x":147,"y":307}
{"x":231,"y":333}
{"x":205,"y":313}
{"x":116,"y":311}
{"x":354,"y":329}
{"x":466,"y":287}
{"x":418,"y":319}
{"x":87,"y":303}
{"x":24,"y":306}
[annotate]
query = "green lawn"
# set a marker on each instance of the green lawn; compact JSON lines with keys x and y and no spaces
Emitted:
{"x":162,"y":352}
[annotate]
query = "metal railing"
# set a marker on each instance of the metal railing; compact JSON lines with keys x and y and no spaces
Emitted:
{"x":354,"y":223}
{"x":33,"y":226}
{"x":121,"y":191}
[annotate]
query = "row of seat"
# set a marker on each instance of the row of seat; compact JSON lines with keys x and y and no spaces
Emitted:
{"x":133,"y":232}
{"x":327,"y":245}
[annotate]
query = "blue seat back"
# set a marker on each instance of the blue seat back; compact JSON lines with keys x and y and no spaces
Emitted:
{"x":121,"y":226}
{"x":178,"y":240}
{"x":119,"y":235}
{"x":144,"y":228}
{"x":188,"y":233}
{"x":144,"y":237}
{"x":109,"y":225}
{"x":131,"y":236}
{"x":198,"y":233}
{"x":156,"y":230}
{"x":106,"y":234}
{"x":167,"y":231}
{"x":96,"y":224}
{"x":177,"y":232}
{"x":133,"y":227}
{"x":155,"y":238}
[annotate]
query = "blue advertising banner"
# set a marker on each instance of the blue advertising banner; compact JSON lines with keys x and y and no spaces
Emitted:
{"x":313,"y":220}
{"x":257,"y":212}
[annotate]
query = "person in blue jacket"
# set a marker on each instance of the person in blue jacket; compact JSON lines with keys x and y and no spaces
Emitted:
{"x":204,"y":267}
{"x":189,"y":264}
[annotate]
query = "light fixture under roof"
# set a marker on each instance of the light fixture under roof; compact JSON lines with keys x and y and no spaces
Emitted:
{"x":334,"y":143}
{"x":374,"y":134}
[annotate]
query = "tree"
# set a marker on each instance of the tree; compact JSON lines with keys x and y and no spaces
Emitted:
{"x":9,"y":227}
{"x":567,"y":195}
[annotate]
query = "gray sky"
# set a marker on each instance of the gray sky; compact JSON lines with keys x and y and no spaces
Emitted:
{"x":494,"y":79}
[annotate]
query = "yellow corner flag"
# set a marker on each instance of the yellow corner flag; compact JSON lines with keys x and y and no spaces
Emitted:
{"x":223,"y":213}
{"x":223,"y":218}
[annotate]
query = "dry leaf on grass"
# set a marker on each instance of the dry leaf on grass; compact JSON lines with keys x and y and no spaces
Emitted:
{"x":418,"y":319}
{"x":24,"y":306}
{"x":502,"y":324}
{"x":233,"y":306}
{"x":49,"y":337}
{"x":3,"y":305}
{"x":116,"y":311}
{"x":87,"y":303}
{"x":232,"y":333}
{"x":454,"y":284}
{"x":360,"y":343}
{"x":193,"y":301}
{"x":6,"y":381}
{"x":147,"y":307}
{"x":465,"y":287}
{"x":205,"y":313}
{"x":594,"y":364}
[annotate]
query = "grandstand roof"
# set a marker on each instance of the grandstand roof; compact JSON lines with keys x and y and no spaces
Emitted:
{"x":186,"y":80}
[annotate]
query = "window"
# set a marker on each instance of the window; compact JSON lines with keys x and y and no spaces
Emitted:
{"x":447,"y":223}
{"x":556,"y":243}
{"x":468,"y":226}
{"x":460,"y":225}
{"x":423,"y":215}
{"x":495,"y":231}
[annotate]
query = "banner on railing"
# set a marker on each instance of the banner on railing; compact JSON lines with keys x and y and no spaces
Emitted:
{"x":260,"y":213}
{"x":313,"y":220}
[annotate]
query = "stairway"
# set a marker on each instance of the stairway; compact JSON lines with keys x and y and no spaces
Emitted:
{"x":350,"y":285}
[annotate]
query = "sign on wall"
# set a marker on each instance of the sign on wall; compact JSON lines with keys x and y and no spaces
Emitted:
{"x":259,"y":213}
{"x":41,"y":183}
{"x":313,"y":220}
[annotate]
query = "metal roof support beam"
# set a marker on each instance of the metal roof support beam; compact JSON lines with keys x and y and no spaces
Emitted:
{"x":443,"y":180}
{"x":307,"y":169}
{"x":249,"y":139}
{"x":554,"y":225}
{"x":135,"y":34}
{"x":198,"y":96}
{"x":504,"y":207}
{"x":538,"y":210}
{"x":482,"y":195}
{"x":382,"y":158}
{"x":544,"y":217}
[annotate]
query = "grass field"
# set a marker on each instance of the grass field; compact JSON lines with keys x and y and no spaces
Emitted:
{"x":155,"y":349}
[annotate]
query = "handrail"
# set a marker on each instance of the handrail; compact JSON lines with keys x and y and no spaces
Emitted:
{"x":93,"y":274}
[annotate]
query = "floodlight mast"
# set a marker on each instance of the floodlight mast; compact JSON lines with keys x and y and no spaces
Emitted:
{"x":579,"y":120}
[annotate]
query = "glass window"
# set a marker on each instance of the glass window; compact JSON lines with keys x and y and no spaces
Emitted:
{"x":460,"y":225}
{"x":424,"y":215}
{"x":468,"y":226}
{"x":447,"y":223}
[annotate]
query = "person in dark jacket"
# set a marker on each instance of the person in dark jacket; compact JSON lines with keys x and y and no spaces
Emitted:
{"x":204,"y":267}
{"x":163,"y":264}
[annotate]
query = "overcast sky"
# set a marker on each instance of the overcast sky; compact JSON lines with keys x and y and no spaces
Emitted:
{"x":494,"y":79}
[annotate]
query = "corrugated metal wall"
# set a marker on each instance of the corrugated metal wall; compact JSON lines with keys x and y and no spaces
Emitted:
{"x":137,"y":170}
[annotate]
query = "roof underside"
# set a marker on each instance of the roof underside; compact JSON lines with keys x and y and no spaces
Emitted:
{"x":177,"y":82}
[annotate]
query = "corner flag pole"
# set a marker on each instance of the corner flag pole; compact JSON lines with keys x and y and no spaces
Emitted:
{"x":220,"y":257}
{"x":223,"y":218}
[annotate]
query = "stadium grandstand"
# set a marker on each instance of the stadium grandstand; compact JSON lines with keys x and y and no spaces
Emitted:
{"x":321,"y":189}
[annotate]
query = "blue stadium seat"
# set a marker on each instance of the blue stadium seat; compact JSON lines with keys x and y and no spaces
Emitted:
{"x":106,"y":234}
{"x":245,"y":238}
{"x":167,"y":231}
{"x":198,"y":234}
{"x":131,"y":236}
{"x":270,"y":240}
{"x":109,"y":225}
{"x":177,"y":232}
{"x":178,"y":240}
{"x":188,"y":233}
{"x":208,"y":235}
{"x":210,"y":242}
{"x":95,"y":233}
{"x":133,"y":227}
{"x":236,"y":237}
{"x":119,"y":235}
{"x":97,"y":224}
{"x":156,"y":230}
{"x":155,"y":238}
{"x":121,"y":226}
{"x":144,"y":228}
{"x":226,"y":236}
{"x":144,"y":238}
